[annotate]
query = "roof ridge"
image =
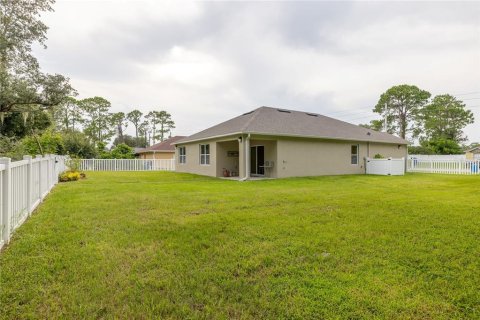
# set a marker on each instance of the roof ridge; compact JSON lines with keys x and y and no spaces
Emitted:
{"x":254,"y":115}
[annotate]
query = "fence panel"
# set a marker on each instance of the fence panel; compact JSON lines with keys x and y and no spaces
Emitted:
{"x":438,"y":156}
{"x":127,"y":164}
{"x":459,"y":166}
{"x":23,"y":185}
{"x":387,"y":167}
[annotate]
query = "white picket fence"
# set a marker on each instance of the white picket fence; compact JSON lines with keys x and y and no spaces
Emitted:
{"x":386,"y":167}
{"x":470,"y":167}
{"x":23,"y":185}
{"x":127,"y":165}
{"x":438,"y":156}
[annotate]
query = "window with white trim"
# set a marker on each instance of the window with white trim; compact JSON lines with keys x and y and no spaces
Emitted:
{"x":182,"y":155}
{"x":354,"y":154}
{"x":205,"y":154}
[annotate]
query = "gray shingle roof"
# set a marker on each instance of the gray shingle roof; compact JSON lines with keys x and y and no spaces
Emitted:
{"x":282,"y":122}
{"x":164,"y":146}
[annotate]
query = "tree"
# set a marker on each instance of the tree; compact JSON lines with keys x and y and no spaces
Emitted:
{"x":444,"y":146}
{"x":166,"y":124}
{"x":444,"y":119}
{"x":98,"y":122}
{"x":21,"y":82}
{"x":423,"y":149}
{"x":18,"y":125}
{"x":78,"y":145}
{"x":135,"y":117}
{"x":144,"y":130}
{"x":68,"y":115}
{"x":130,"y":141}
{"x":376,"y":125}
{"x":121,"y":123}
{"x":401,"y":106}
{"x":122,"y":151}
{"x":161,"y":123}
{"x":48,"y":143}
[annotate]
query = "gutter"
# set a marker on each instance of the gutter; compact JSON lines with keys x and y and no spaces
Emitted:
{"x":404,"y":142}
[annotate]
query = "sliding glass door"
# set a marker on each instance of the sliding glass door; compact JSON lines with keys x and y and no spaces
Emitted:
{"x":257,"y":160}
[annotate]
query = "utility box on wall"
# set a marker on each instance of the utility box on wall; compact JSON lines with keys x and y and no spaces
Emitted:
{"x":386,"y":167}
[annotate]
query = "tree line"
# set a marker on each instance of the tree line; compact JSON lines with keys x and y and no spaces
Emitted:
{"x":39,"y":113}
{"x":436,"y":123}
{"x":93,"y":116}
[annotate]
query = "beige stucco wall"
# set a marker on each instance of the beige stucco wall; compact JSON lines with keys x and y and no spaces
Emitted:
{"x":473,"y":155}
{"x":292,"y":157}
{"x":192,"y":164}
{"x":157,"y":155}
{"x":311,"y":157}
{"x":387,"y":150}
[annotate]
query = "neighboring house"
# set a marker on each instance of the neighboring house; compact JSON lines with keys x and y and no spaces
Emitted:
{"x":164,"y":150}
{"x":278,"y":143}
{"x":473,"y":154}
{"x":137,"y":151}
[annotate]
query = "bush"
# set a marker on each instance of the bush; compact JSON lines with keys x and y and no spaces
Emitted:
{"x":378,"y":156}
{"x":71,"y":176}
{"x":51,"y":142}
{"x":122,"y":151}
{"x":78,"y":145}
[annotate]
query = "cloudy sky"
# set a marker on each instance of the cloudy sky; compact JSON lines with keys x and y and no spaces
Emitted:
{"x":206,"y":62}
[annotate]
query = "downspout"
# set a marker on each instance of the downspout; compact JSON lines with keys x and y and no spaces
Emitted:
{"x":247,"y":158}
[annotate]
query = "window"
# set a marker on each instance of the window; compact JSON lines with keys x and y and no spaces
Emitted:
{"x":354,"y":154}
{"x":182,"y":153}
{"x":204,"y":154}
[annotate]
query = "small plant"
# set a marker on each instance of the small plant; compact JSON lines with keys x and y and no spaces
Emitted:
{"x":378,"y":156}
{"x":71,"y":175}
{"x":73,"y":164}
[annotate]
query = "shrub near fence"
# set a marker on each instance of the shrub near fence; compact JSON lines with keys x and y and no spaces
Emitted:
{"x":127,"y":165}
{"x":23,"y":185}
{"x":469,"y":167}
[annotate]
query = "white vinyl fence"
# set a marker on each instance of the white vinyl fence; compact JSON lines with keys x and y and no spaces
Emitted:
{"x":470,"y":167}
{"x":127,"y":165}
{"x":23,"y":185}
{"x":438,"y":156}
{"x":386,"y":167}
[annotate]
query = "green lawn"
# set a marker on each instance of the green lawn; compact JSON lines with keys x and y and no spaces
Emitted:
{"x":165,"y":245}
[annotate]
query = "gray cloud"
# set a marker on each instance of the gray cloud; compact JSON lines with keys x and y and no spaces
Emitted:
{"x":206,"y":62}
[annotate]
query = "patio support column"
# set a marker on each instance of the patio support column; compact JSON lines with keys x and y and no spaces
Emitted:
{"x":247,"y":157}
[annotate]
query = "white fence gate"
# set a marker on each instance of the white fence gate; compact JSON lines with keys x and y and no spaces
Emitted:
{"x":127,"y":164}
{"x":23,"y":185}
{"x":387,"y":167}
{"x":470,"y":167}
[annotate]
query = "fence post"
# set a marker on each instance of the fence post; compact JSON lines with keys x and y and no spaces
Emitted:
{"x":39,"y":177}
{"x":6,"y":199}
{"x":49,"y":171}
{"x":29,"y":183}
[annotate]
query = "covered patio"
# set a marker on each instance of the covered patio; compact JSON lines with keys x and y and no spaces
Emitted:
{"x":257,"y":157}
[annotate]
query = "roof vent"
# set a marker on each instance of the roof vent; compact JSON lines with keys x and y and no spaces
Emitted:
{"x":283,"y":110}
{"x":312,"y":114}
{"x":369,"y":133}
{"x":247,"y":113}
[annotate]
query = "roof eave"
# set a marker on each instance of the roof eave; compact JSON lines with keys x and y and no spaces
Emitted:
{"x":404,"y":142}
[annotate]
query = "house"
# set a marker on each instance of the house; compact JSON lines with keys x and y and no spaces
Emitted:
{"x":473,"y":154}
{"x":137,"y":151}
{"x":279,"y":143}
{"x":164,"y":150}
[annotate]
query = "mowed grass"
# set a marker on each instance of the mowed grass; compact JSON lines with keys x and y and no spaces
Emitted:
{"x":165,"y":245}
